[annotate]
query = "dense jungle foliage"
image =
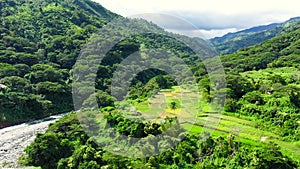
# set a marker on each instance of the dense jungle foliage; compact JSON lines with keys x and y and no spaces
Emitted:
{"x":77,"y":150}
{"x":39,"y":45}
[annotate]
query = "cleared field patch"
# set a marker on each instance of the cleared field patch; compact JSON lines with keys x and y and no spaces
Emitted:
{"x":177,"y":101}
{"x":245,"y":132}
{"x":197,"y":117}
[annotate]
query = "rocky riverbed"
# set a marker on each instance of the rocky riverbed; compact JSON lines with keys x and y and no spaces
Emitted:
{"x":13,"y":140}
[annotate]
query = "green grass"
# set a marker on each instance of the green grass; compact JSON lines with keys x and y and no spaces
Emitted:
{"x":246,"y":132}
{"x":264,"y":75}
{"x":192,"y":129}
{"x":143,"y":107}
{"x":243,"y":127}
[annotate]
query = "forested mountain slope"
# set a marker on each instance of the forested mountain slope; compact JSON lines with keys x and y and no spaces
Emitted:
{"x":267,"y":97}
{"x":39,"y":43}
{"x":232,"y":42}
{"x":270,"y":53}
{"x":263,"y":82}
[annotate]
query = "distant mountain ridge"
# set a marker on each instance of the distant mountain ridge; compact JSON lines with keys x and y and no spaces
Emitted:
{"x":264,"y":27}
{"x":232,"y":42}
{"x":280,"y":51}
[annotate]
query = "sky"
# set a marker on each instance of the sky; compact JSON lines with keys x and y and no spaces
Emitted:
{"x":209,"y":18}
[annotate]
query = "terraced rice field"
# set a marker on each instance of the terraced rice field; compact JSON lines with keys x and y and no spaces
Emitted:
{"x":197,"y":120}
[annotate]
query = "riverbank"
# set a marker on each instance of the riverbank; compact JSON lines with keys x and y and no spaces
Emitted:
{"x":14,"y":139}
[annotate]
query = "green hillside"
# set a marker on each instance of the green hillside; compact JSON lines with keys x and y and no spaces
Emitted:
{"x":232,"y":42}
{"x":39,"y":43}
{"x":149,"y":127}
{"x":262,"y":83}
{"x":41,"y":40}
{"x":266,"y":54}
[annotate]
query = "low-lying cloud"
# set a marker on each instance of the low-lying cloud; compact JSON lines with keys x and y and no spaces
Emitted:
{"x":213,"y":17}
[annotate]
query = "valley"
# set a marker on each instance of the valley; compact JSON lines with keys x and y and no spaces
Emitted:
{"x":183,"y":108}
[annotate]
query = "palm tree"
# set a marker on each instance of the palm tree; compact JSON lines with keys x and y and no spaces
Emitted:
{"x":173,"y":106}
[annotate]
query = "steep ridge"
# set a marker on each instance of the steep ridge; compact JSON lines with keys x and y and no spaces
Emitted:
{"x":266,"y":54}
{"x":39,"y":43}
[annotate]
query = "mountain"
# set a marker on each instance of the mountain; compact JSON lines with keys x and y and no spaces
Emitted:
{"x":41,"y":40}
{"x":39,"y":43}
{"x":280,"y":51}
{"x":232,"y":42}
{"x":263,"y":83}
{"x":30,"y":27}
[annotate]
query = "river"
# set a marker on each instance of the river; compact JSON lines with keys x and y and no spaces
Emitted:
{"x":14,"y":139}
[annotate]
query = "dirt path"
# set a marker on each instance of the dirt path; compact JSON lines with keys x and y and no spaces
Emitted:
{"x":13,"y":140}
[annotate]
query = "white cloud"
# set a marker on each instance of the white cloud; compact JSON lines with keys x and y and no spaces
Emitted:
{"x":217,"y":32}
{"x":204,"y":34}
{"x":130,"y":7}
{"x":183,"y":26}
{"x":213,"y":16}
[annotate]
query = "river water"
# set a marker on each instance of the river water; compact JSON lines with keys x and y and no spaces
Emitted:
{"x":14,"y":139}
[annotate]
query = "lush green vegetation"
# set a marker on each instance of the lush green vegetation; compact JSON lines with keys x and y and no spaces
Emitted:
{"x":270,"y":96}
{"x":37,"y":58}
{"x":77,"y":150}
{"x":232,"y":42}
{"x":41,"y":40}
{"x":39,"y":43}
